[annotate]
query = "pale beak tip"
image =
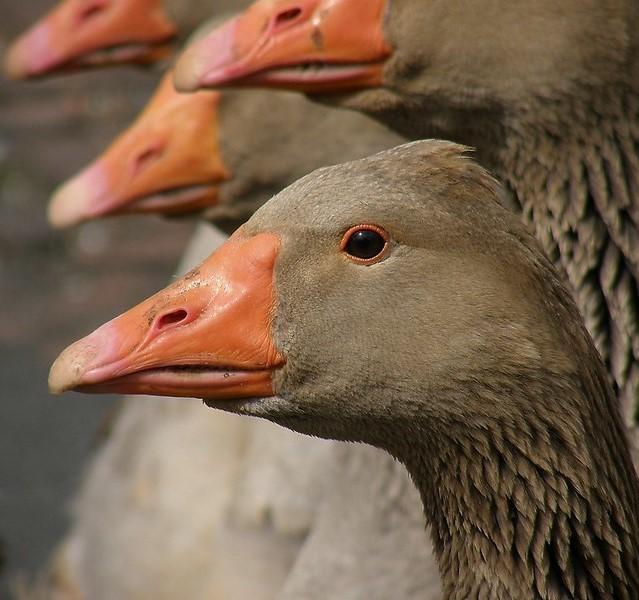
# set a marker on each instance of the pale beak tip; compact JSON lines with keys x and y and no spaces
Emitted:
{"x":30,"y":55}
{"x":59,"y":376}
{"x":184,"y":80}
{"x":13,"y":65}
{"x":68,"y":370}
{"x":207,"y":61}
{"x":67,"y":206}
{"x":54,"y":391}
{"x":192,"y":69}
{"x":59,"y":218}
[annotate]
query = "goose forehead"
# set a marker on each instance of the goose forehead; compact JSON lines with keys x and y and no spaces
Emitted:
{"x":329,"y":203}
{"x":412,"y":204}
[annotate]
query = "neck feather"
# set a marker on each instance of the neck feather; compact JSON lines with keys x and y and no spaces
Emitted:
{"x":575,"y":174}
{"x":542,"y":503}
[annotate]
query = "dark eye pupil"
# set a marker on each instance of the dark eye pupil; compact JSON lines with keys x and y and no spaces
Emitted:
{"x":365,"y":244}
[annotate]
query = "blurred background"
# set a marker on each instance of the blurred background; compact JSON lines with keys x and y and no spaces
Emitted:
{"x":56,"y":287}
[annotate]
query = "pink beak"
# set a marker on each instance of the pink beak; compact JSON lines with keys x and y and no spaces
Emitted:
{"x":168,"y":162}
{"x":79,"y":34}
{"x":306,"y":45}
{"x":208,"y":335}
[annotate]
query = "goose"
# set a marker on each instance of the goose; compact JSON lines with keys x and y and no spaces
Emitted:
{"x":546,"y":92}
{"x":393,"y":301}
{"x":88,"y":34}
{"x":282,"y":477}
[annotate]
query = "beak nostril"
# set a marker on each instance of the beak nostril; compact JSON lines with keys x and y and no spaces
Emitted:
{"x":91,"y":11}
{"x":286,"y":17}
{"x":172,"y":318}
{"x":146,"y":157}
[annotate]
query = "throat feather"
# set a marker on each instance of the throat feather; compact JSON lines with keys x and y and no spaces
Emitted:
{"x":536,"y":507}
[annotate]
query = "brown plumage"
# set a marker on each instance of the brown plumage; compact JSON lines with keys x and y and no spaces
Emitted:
{"x":266,"y":150}
{"x":579,"y":193}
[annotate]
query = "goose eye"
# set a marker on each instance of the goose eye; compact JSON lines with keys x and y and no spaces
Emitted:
{"x":365,"y":244}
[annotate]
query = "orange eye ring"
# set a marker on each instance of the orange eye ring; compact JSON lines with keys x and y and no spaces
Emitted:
{"x":365,"y":244}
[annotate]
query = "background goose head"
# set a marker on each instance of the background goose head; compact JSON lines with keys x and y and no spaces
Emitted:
{"x":392,"y":300}
{"x":446,"y":58}
{"x":88,"y":34}
{"x":221,"y":155}
{"x":79,"y":34}
{"x":168,"y":162}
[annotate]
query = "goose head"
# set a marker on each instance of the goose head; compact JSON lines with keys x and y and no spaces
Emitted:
{"x":369,"y":293}
{"x":441,"y":56}
{"x":168,"y":162}
{"x":82,"y":34}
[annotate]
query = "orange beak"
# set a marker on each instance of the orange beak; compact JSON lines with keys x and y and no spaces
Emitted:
{"x":167,"y":162}
{"x":306,"y":45}
{"x":79,"y":34}
{"x":208,"y":335}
